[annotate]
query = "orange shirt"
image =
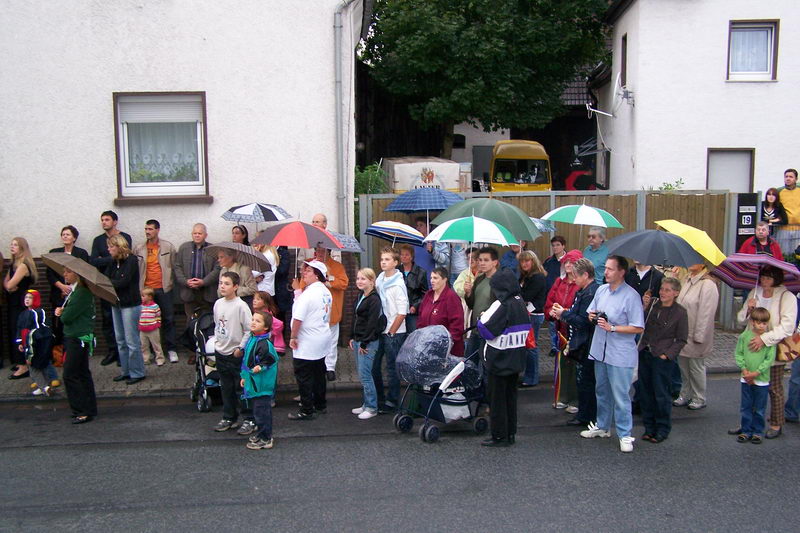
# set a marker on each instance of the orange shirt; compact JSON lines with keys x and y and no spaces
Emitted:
{"x":153,"y":272}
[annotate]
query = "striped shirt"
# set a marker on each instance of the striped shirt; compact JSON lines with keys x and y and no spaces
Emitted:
{"x":150,"y":319}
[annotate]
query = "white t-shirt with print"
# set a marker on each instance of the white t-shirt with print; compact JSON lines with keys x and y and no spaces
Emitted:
{"x":313,"y":307}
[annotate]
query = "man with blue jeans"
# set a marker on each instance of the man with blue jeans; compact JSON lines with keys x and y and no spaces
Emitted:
{"x":617,"y":311}
{"x":391,"y":287}
{"x":552,"y":265}
{"x":479,"y":296}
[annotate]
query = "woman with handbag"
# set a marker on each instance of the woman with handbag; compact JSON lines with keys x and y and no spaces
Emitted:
{"x":782,"y":306}
{"x":665,"y":333}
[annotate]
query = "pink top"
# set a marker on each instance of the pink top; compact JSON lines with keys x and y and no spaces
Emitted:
{"x":277,"y":335}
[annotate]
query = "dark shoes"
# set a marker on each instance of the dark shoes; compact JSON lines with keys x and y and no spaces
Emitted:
{"x":82,"y":419}
{"x":773,"y":433}
{"x":192,"y":359}
{"x":301,"y":416}
{"x":496,"y":443}
{"x":110,"y":358}
{"x":20,"y":376}
{"x":576,"y":422}
{"x":330,"y":375}
{"x":134,"y":381}
{"x":121,"y":378}
{"x":735,"y":431}
{"x":524,"y":385}
{"x":553,"y":352}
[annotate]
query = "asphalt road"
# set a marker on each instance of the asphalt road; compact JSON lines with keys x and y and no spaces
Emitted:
{"x":157,"y":466}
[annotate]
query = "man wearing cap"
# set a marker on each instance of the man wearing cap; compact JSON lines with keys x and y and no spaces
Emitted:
{"x":310,"y":339}
{"x":337,"y":282}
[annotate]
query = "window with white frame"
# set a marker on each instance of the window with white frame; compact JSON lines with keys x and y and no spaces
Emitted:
{"x":753,"y":50}
{"x":161,"y":144}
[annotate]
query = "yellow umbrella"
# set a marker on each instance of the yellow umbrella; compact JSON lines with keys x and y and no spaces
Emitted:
{"x":697,"y":239}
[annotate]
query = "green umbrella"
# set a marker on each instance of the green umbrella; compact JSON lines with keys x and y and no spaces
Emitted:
{"x":472,"y":229}
{"x":513,"y":218}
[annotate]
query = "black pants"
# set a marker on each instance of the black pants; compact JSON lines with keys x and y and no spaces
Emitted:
{"x":262,"y":412}
{"x":655,"y":396}
{"x":165,"y":302}
{"x":587,"y":400}
{"x":108,"y":329}
{"x":310,"y":376}
{"x":228,"y":368}
{"x":503,"y":405}
{"x":78,"y":378}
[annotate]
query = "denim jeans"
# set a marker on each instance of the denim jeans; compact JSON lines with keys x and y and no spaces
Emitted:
{"x":388,"y":348}
{"x":531,"y":376}
{"x":553,"y":328}
{"x":262,"y":412}
{"x":411,"y":323}
{"x":753,"y":409}
{"x":126,"y":332}
{"x":612,"y":387}
{"x":793,"y":395}
{"x":365,"y":364}
{"x":655,"y":396}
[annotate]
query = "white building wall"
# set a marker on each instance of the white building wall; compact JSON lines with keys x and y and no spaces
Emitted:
{"x":268,"y":73}
{"x":475,"y":137}
{"x":683,"y":103}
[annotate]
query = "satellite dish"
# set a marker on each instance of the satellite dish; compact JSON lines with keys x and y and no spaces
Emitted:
{"x":616,"y":101}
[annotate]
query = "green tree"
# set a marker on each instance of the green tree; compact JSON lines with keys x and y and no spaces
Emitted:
{"x":491,"y":63}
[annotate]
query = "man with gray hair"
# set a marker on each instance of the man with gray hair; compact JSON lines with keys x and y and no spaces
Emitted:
{"x":597,"y":251}
{"x":196,"y":273}
{"x":321,"y":221}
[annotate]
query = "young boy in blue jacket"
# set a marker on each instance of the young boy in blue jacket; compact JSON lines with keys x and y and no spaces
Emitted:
{"x":259,"y":370}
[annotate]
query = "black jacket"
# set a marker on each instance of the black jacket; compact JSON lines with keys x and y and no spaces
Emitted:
{"x":368,"y":320}
{"x":52,"y":276}
{"x":416,"y":285}
{"x":100,"y":258}
{"x":553,"y":268}
{"x":534,"y":290}
{"x":505,"y":327}
{"x":124,"y":276}
{"x":643,"y":284}
{"x":577,"y":317}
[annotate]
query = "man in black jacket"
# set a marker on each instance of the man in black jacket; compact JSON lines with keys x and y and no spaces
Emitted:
{"x":504,"y":326}
{"x":644,"y":278}
{"x":580,"y":339}
{"x":416,"y":284}
{"x":100,"y":259}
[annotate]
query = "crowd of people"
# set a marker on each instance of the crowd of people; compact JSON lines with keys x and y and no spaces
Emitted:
{"x":609,"y":323}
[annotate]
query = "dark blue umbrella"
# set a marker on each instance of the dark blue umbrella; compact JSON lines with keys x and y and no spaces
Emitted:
{"x":424,"y":199}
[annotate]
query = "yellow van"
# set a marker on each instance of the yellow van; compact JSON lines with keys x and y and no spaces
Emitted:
{"x":519,"y":166}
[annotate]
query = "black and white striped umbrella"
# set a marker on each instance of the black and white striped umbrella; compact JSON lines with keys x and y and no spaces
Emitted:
{"x":256,"y":212}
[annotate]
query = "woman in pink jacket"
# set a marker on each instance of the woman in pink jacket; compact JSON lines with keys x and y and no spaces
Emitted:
{"x":442,"y":306}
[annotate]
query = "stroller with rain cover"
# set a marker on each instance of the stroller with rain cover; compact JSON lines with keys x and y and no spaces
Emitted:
{"x":199,"y":336}
{"x":448,"y":388}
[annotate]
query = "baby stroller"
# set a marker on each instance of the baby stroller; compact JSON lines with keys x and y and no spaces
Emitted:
{"x":200,"y":338}
{"x":448,"y":388}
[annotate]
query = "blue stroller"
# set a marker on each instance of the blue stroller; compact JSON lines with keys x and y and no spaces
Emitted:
{"x":447,"y":388}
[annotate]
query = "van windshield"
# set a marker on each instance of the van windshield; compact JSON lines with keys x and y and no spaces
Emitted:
{"x":521,"y":171}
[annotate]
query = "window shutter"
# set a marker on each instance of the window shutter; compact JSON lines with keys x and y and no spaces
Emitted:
{"x":166,"y":108}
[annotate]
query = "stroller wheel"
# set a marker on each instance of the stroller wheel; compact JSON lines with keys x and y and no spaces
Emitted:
{"x":431,"y":434}
{"x":422,"y":433}
{"x":193,"y":394}
{"x":405,"y":423}
{"x":480,"y":425}
{"x":204,"y":402}
{"x":395,"y":420}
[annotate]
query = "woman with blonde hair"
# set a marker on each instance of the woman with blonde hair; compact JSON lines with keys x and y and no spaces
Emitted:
{"x":19,"y":278}
{"x":265,"y":281}
{"x":124,"y":275}
{"x":533,"y":283}
{"x":365,"y":336}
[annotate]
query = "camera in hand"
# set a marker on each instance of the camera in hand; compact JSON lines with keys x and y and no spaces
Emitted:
{"x":598,"y":316}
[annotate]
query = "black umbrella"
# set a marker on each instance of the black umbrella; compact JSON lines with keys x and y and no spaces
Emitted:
{"x":654,"y":247}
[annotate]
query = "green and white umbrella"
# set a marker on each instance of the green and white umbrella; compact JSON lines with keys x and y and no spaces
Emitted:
{"x":472,"y":229}
{"x":584,"y":215}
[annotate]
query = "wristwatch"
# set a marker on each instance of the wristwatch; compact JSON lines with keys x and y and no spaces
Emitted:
{"x":613,"y":329}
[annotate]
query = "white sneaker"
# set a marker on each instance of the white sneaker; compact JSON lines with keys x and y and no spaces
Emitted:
{"x":626,"y":444}
{"x":594,"y":431}
{"x":680,"y":402}
{"x":560,"y":405}
{"x":173,"y":356}
{"x":572,"y":409}
{"x":38,"y":392}
{"x":358,"y":410}
{"x":367,"y":414}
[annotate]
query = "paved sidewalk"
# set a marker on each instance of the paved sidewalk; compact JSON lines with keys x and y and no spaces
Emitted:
{"x":178,"y":378}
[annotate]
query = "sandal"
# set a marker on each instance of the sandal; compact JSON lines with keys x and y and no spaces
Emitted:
{"x":756,"y":439}
{"x":648,"y":437}
{"x":741,"y":437}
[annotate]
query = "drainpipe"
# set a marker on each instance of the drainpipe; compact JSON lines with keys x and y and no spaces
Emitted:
{"x":341,"y":171}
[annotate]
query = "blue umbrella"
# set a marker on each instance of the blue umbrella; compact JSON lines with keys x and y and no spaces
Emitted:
{"x":390,"y":230}
{"x":424,"y":199}
{"x":349,"y":243}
